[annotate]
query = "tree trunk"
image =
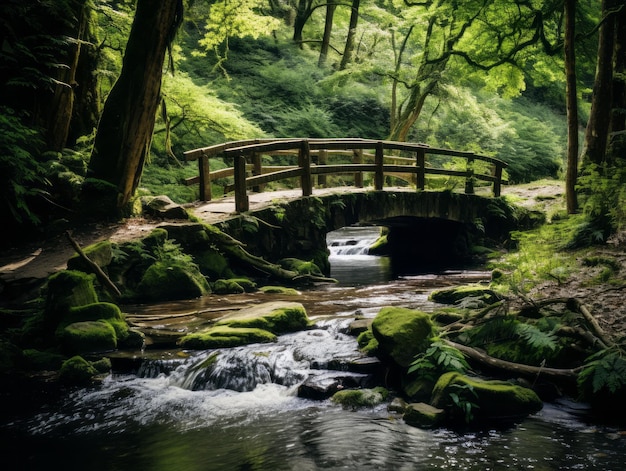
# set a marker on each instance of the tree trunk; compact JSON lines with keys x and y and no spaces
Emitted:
{"x":618,"y":112}
{"x":127,"y":122}
{"x":303,"y":13}
{"x":62,"y":105}
{"x":349,"y":49}
{"x":572,"y":107}
{"x":328,"y":28}
{"x":596,"y":135}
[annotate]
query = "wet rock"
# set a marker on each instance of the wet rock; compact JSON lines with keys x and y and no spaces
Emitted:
{"x":357,"y":398}
{"x":495,"y":400}
{"x":401,"y":334}
{"x":324,"y":384}
{"x":275,"y":317}
{"x":423,"y":415}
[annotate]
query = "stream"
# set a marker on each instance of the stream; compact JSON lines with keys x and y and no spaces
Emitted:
{"x":246,"y":415}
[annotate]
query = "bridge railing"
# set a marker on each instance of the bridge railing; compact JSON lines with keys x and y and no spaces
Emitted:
{"x":367,"y":156}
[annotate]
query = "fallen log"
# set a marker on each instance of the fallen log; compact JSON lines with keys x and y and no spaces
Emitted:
{"x":554,"y":374}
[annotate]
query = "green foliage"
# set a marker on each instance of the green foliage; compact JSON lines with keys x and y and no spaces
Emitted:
{"x":438,"y":359}
{"x":604,"y":371}
{"x":603,"y":191}
{"x":510,"y":339}
{"x":21,"y":174}
{"x":463,"y":397}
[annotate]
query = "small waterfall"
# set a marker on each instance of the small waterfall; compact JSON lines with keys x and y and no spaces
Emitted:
{"x":241,"y":369}
{"x":352,"y":240}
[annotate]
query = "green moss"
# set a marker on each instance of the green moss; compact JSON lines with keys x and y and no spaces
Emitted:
{"x":38,"y":360}
{"x":225,"y":337}
{"x":67,"y":289}
{"x":357,"y":398}
{"x":77,"y":371}
{"x":367,"y":342}
{"x":453,"y":295}
{"x":301,"y":267}
{"x":423,"y":415}
{"x":495,"y":399}
{"x":227,"y":287}
{"x":380,"y":246}
{"x":163,"y":282}
{"x":155,"y":239}
{"x":279,"y":290}
{"x":102,"y":366}
{"x":234,"y":286}
{"x":100,"y":253}
{"x":402,"y":333}
{"x":87,"y":337}
{"x":290,"y":317}
{"x":213,"y":264}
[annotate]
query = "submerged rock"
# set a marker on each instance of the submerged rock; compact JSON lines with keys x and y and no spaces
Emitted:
{"x":423,"y":415}
{"x":356,"y":398}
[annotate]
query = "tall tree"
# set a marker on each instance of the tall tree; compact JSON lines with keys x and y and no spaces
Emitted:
{"x":125,"y":130}
{"x":331,"y":6}
{"x":597,"y":132}
{"x":572,"y":106}
{"x":354,"y":21}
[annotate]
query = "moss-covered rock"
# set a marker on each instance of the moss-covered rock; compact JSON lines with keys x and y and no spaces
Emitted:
{"x":234,"y":286}
{"x":401,"y":334}
{"x":87,"y":337}
{"x":67,"y":289}
{"x":367,"y":342}
{"x":165,"y":282}
{"x":77,"y":371}
{"x":301,"y":267}
{"x":423,"y":415}
{"x":357,"y":398}
{"x":496,"y":400}
{"x":38,"y":361}
{"x":279,"y":290}
{"x":224,"y":336}
{"x":277,"y":317}
{"x":380,"y":246}
{"x":100,"y":253}
{"x":213,"y":264}
{"x":455,"y":294}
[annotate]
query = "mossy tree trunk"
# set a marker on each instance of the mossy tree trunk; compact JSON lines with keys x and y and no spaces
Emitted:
{"x":127,"y":122}
{"x":572,"y":106}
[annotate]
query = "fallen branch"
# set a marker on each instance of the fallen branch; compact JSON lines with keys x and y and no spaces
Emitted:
{"x":104,"y":279}
{"x":515,"y":368}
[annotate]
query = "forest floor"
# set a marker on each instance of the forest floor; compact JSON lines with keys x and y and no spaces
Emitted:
{"x":24,"y":268}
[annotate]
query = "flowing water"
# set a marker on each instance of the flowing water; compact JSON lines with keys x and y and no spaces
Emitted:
{"x":245,"y":414}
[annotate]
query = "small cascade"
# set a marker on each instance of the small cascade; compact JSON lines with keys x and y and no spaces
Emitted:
{"x":241,"y":369}
{"x":352,"y":240}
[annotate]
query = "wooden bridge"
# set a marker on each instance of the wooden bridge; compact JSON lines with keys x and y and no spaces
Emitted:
{"x":411,"y":162}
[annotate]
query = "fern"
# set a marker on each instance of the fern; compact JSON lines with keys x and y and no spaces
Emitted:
{"x":536,"y":338}
{"x":438,"y":359}
{"x":604,"y":370}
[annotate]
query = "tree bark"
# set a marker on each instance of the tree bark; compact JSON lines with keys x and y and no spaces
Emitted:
{"x":349,"y":49}
{"x":127,"y":122}
{"x":596,"y":135}
{"x":328,"y":28}
{"x":572,"y":107}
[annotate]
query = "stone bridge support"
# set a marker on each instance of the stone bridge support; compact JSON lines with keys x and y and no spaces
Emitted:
{"x":424,"y":227}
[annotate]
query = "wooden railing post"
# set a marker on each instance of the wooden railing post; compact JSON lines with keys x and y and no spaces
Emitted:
{"x":304,"y":157}
{"x":379,"y":177}
{"x":357,"y":158}
{"x":257,"y":170}
{"x":205,"y":177}
{"x":241,"y":195}
{"x":469,"y":178}
{"x":420,"y":162}
{"x":497,"y":183}
{"x":322,"y":159}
